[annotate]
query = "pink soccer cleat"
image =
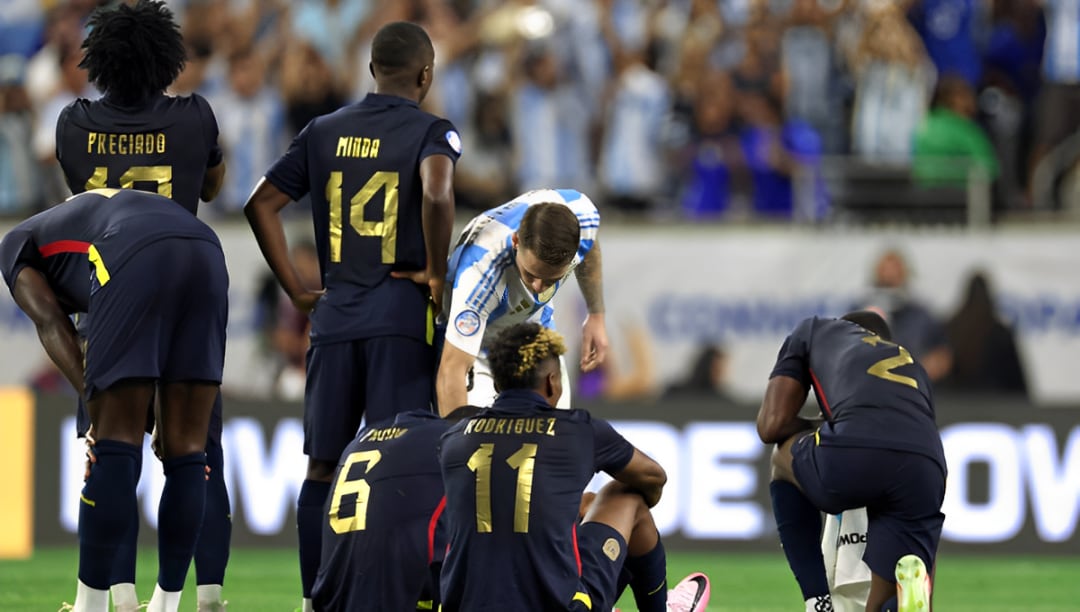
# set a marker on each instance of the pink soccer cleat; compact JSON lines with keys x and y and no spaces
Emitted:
{"x":690,"y":595}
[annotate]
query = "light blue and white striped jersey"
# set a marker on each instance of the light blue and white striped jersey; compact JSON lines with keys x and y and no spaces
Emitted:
{"x":484,"y":288}
{"x":1061,"y":59}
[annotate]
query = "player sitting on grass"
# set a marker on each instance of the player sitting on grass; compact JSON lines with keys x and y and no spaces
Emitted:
{"x":879,"y":447}
{"x":379,"y":525}
{"x":514,"y":476}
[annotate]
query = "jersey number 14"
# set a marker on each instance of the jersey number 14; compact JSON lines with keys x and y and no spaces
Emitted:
{"x":386,"y":229}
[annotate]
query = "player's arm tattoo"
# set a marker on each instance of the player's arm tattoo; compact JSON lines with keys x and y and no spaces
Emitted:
{"x":589,"y":274}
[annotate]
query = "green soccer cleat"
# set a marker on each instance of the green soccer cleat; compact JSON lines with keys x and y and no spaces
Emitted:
{"x":912,"y":585}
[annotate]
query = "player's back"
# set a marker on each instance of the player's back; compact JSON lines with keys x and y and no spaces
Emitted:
{"x":105,"y":226}
{"x":514,"y":475}
{"x":163,"y":146}
{"x":381,"y":513}
{"x":872,"y":391}
{"x":361,"y":166}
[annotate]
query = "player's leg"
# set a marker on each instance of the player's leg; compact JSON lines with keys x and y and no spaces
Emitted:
{"x":335,"y":386}
{"x":621,"y":511}
{"x":122,"y":590}
{"x":798,"y":520}
{"x":183,"y":422}
{"x":193,"y":311}
{"x":905,"y":529}
{"x":108,"y":502}
{"x":212,"y":549}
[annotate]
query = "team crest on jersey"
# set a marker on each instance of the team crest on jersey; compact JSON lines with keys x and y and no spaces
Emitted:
{"x":611,"y":549}
{"x":454,"y":140}
{"x":467,"y":322}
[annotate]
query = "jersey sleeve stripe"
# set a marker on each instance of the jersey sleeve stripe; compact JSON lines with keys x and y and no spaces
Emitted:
{"x":64,"y":246}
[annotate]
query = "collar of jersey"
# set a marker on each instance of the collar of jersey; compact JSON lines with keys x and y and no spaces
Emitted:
{"x":375,"y":99}
{"x":520,"y":400}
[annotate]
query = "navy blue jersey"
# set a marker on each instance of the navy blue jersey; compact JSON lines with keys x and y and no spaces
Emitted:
{"x":872,"y":392}
{"x":361,"y":165}
{"x":93,"y":233}
{"x":514,"y":475}
{"x":163,"y":146}
{"x":382,"y":510}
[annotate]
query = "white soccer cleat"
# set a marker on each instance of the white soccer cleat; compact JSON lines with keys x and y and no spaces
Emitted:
{"x":690,"y":595}
{"x":912,"y":585}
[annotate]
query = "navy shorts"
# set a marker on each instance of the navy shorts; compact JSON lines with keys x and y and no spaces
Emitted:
{"x":603,"y":552}
{"x":160,"y":316}
{"x":902,"y":493}
{"x":374,"y":378}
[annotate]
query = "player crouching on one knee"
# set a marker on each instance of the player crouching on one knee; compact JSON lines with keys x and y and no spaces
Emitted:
{"x":878,"y":448}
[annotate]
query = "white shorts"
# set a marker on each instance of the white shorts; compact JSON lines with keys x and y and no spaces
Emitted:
{"x":482,"y":392}
{"x":842,"y":544}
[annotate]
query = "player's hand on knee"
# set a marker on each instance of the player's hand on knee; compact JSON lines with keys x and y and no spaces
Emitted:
{"x":156,"y":444}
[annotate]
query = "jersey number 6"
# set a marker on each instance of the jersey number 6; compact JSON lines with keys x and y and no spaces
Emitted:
{"x":358,"y":487}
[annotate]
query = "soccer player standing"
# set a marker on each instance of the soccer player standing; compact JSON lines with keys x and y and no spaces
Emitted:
{"x":157,"y":299}
{"x":136,"y":137}
{"x":514,"y":476}
{"x":506,"y":268}
{"x":380,"y":175}
{"x":879,"y":447}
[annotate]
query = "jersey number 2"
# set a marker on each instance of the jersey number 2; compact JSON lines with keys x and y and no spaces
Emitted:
{"x":385,"y":229}
{"x":523,"y":462}
{"x":162,"y":175}
{"x":884,"y":368}
{"x":358,"y":487}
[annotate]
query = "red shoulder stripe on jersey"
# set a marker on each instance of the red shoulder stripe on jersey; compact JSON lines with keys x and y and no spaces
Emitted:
{"x":577,"y":553}
{"x":63,"y":246}
{"x":821,"y":394}
{"x":431,"y":529}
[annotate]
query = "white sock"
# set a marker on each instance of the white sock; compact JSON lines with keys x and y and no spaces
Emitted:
{"x":210,"y":598}
{"x":819,"y":604}
{"x":90,"y":600}
{"x":307,"y":607}
{"x":164,"y":601}
{"x":124,"y":598}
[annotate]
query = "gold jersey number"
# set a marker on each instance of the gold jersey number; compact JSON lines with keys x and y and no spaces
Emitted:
{"x":386,"y":230}
{"x":523,"y":461}
{"x":358,"y":487}
{"x":160,"y":175}
{"x":884,"y":368}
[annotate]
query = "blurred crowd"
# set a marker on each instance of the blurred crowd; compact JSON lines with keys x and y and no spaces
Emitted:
{"x":685,"y":108}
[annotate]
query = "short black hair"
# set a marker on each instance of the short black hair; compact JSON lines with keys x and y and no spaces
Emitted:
{"x":519,"y":351}
{"x":463,"y":412}
{"x":871,"y":322}
{"x":400,"y":47}
{"x":133,"y":52}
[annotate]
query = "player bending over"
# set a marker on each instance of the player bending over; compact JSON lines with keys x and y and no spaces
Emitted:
{"x":514,"y":476}
{"x":137,"y":137}
{"x":157,"y":300}
{"x":506,"y":268}
{"x":879,"y":447}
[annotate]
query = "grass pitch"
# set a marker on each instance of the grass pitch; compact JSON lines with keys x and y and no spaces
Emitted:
{"x":268,"y":580}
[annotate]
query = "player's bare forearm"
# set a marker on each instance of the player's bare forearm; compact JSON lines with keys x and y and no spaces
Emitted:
{"x":589,"y":274}
{"x":261,"y":211}
{"x":36,"y":298}
{"x":212,"y":182}
{"x":437,"y":178}
{"x":450,"y":381}
{"x":779,"y":418}
{"x":645,"y":476}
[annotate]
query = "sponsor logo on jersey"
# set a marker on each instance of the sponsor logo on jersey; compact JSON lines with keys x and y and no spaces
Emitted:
{"x":454,"y":140}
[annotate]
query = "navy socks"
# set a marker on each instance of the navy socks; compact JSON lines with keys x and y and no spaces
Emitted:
{"x":799,"y":524}
{"x":106,"y":507}
{"x":180,"y":516}
{"x":309,"y":517}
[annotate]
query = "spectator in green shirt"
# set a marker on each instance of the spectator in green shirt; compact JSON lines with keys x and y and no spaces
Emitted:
{"x":949,"y":143}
